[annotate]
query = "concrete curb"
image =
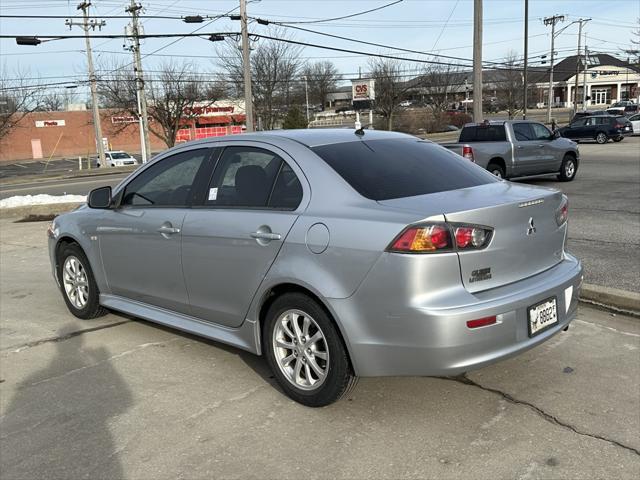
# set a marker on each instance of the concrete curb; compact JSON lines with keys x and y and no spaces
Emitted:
{"x":18,"y":213}
{"x":611,"y":297}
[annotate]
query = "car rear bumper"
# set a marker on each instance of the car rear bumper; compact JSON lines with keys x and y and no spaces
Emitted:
{"x":431,"y":337}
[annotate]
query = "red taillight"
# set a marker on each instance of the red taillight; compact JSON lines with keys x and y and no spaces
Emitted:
{"x":482,"y":322}
{"x":562,"y":214}
{"x":423,"y":239}
{"x":437,"y":237}
{"x":467,"y":152}
{"x":468,"y":237}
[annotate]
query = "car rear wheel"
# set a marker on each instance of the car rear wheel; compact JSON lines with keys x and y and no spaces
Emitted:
{"x":305,"y":351}
{"x":496,"y":169}
{"x":568,"y":169}
{"x":602,"y":138}
{"x":77,"y":283}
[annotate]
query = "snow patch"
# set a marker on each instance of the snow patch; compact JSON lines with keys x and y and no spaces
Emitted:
{"x":42,"y":199}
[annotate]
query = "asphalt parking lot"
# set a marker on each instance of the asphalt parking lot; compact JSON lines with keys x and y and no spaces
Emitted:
{"x":120,"y":398}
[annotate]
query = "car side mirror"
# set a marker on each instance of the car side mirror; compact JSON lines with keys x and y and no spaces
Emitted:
{"x":100,"y":198}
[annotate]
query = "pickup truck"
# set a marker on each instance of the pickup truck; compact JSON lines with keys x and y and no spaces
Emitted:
{"x":517,"y":148}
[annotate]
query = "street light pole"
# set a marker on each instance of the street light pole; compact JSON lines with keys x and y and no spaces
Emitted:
{"x":584,"y":75}
{"x":86,"y":25}
{"x":133,"y":9}
{"x":246,"y":63}
{"x":477,"y":61}
{"x":306,"y":97}
{"x":526,"y":60}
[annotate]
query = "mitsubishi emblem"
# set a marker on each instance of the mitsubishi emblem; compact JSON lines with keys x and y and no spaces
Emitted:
{"x":531,"y":229}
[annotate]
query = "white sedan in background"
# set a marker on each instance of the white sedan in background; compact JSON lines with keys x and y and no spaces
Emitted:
{"x":118,"y":158}
{"x":635,"y":121}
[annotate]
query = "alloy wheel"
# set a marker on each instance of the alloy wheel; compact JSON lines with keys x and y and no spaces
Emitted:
{"x":569,"y":169}
{"x":75,"y":282}
{"x":601,"y":138}
{"x":300,"y":350}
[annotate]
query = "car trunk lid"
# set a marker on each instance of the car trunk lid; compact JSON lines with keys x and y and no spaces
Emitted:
{"x":526,"y":238}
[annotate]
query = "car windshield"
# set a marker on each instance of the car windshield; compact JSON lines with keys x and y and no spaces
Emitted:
{"x":119,"y":155}
{"x":387,"y":169}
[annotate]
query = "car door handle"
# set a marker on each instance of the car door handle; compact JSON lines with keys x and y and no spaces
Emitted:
{"x":265,"y":235}
{"x":519,"y":147}
{"x":165,"y":230}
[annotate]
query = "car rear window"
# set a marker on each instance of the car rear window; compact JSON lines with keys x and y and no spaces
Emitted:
{"x":483,"y":133}
{"x":387,"y":169}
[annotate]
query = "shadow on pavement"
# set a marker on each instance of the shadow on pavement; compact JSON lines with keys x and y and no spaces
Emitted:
{"x":56,"y":425}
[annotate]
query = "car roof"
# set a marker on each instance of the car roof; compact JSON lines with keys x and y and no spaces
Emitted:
{"x":313,"y":137}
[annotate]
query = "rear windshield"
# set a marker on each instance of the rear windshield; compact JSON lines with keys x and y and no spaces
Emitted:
{"x":386,"y":169}
{"x":483,"y":133}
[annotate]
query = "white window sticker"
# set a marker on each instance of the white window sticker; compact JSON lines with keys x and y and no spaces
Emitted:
{"x":213,"y":193}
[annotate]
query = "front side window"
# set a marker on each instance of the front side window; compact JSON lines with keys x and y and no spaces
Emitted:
{"x":523,"y":132}
{"x":253,"y":178}
{"x":166,"y":183}
{"x":540,"y":131}
{"x":579,"y":123}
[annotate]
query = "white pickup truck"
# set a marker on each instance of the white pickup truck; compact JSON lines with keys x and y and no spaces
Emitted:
{"x":517,"y":148}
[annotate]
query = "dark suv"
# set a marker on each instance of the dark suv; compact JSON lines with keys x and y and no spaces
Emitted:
{"x":600,"y":128}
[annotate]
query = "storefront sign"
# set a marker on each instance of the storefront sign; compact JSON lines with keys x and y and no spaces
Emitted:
{"x":49,"y":123}
{"x":363,"y":90}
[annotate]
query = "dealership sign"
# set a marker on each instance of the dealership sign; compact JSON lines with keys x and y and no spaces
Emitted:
{"x":49,"y":123}
{"x":363,"y":89}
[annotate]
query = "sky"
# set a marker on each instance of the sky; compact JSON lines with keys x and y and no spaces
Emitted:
{"x":435,"y":26}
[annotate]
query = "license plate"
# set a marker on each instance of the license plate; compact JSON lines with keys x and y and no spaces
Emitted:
{"x":542,"y":316}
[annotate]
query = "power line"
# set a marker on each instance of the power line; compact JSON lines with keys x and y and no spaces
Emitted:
{"x":350,"y":15}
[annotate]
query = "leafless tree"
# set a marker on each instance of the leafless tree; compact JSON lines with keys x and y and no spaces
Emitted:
{"x":510,"y":85}
{"x":321,"y":79}
{"x":439,"y":82}
{"x":56,"y":101}
{"x":633,"y":53}
{"x":176,"y":89}
{"x":390,"y":86}
{"x":275,"y":66}
{"x":19,"y":96}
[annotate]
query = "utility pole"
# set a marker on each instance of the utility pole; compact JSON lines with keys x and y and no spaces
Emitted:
{"x":575,"y":88}
{"x":584,"y":75}
{"x":526,"y":60}
{"x":86,"y":25}
{"x":306,"y":98}
{"x":552,"y":21}
{"x":134,"y":10}
{"x":246,"y":63}
{"x":477,"y":60}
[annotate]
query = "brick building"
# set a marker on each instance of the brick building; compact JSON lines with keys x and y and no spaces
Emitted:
{"x":70,"y":133}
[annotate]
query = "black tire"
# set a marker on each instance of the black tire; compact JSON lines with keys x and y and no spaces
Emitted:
{"x":496,"y":169}
{"x":339,"y":379}
{"x":568,"y":168}
{"x":601,"y":138}
{"x":92,"y":308}
{"x":618,"y":139}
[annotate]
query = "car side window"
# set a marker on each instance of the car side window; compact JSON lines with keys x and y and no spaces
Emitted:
{"x":635,"y":118}
{"x":540,"y":131}
{"x":254,"y":178}
{"x":167,"y":182}
{"x":523,"y":132}
{"x":579,"y":123}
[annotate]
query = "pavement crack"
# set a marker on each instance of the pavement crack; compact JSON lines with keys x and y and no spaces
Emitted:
{"x":62,"y":338}
{"x":546,"y":416}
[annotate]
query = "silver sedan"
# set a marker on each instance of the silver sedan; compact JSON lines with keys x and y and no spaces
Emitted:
{"x":332,"y":253}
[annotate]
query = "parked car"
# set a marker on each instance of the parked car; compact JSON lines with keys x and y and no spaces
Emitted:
{"x":516,"y":148}
{"x":331,"y":253}
{"x":117,"y":158}
{"x":585,"y":113}
{"x":635,"y":123}
{"x":600,"y":128}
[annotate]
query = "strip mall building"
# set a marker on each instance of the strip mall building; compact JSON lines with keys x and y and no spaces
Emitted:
{"x":70,"y":134}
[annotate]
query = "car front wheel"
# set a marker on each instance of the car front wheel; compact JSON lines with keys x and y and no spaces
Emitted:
{"x":305,"y":351}
{"x":79,"y":288}
{"x":568,"y":169}
{"x":618,"y":139}
{"x":602,"y":138}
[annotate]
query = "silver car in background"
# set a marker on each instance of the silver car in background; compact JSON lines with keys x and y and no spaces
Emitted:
{"x":332,"y":253}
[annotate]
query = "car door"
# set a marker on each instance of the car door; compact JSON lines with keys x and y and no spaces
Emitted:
{"x":550,"y":154}
{"x":140,"y":240}
{"x":230,"y":242}
{"x":525,"y":148}
{"x":635,"y":122}
{"x":576,"y":130}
